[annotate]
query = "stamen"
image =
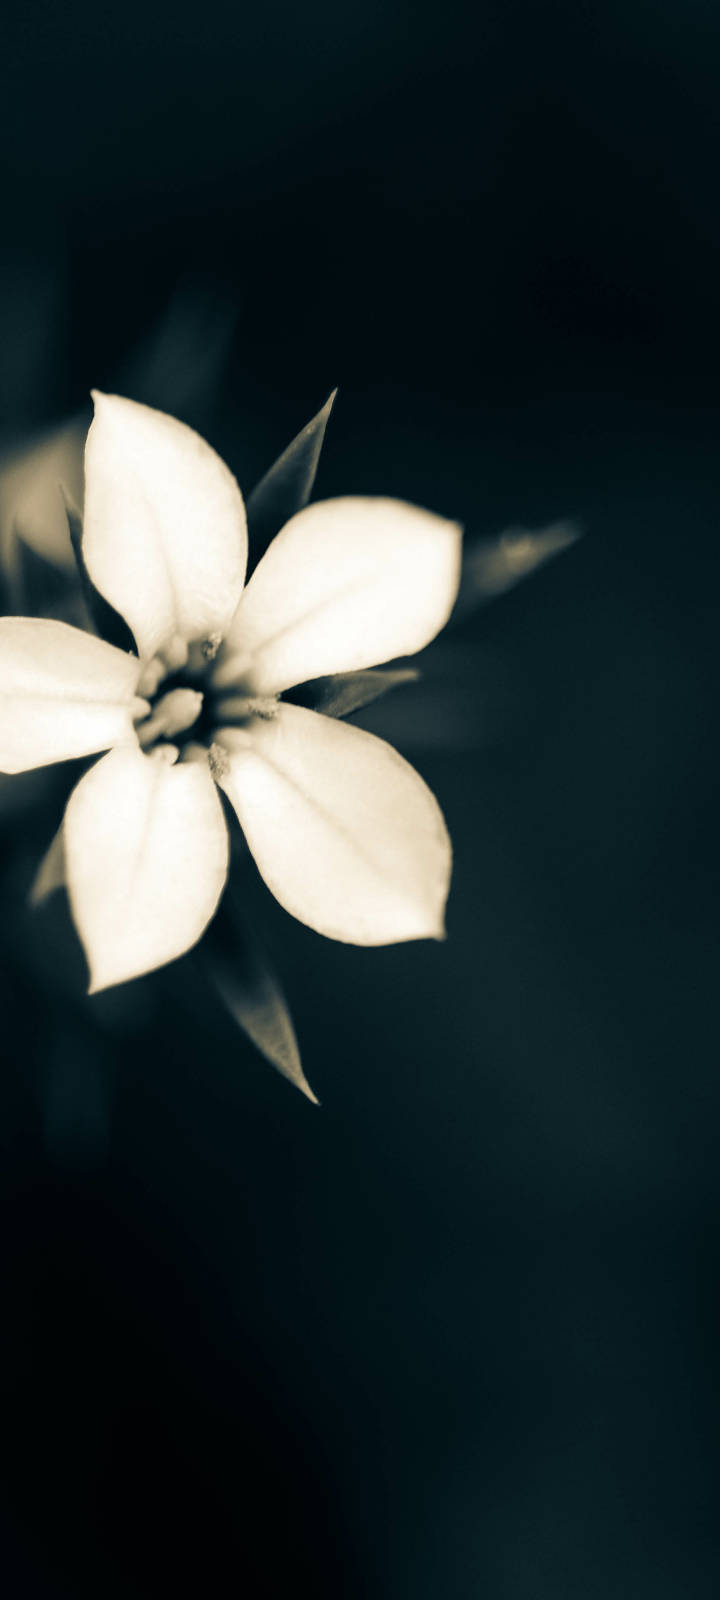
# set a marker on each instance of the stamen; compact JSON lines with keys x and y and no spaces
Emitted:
{"x":167,"y":754}
{"x":176,"y":711}
{"x":151,"y":676}
{"x":231,"y":669}
{"x":202,"y":652}
{"x":240,"y":707}
{"x":175,"y":653}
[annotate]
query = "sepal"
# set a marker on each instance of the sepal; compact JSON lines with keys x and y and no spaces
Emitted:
{"x":344,"y":692}
{"x":238,"y":969}
{"x":288,"y":484}
{"x":492,"y":566}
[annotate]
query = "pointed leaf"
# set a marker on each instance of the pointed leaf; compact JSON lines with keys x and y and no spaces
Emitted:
{"x":288,"y":485}
{"x":50,"y":874}
{"x":345,"y":692}
{"x":492,"y":566}
{"x":240,"y":972}
{"x":105,"y":619}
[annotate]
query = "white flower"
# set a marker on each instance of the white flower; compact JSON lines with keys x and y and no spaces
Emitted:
{"x":344,"y":832}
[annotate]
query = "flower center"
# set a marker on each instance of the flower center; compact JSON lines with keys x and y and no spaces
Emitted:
{"x":186,"y":704}
{"x":172,"y":714}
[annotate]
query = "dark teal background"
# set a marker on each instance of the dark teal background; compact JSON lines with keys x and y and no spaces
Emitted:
{"x":456,"y":1332}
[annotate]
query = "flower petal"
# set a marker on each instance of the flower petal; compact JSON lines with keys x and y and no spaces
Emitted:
{"x":146,"y":852}
{"x":165,"y":535}
{"x":346,"y":584}
{"x":344,"y":832}
{"x":63,"y":693}
{"x":103,"y":618}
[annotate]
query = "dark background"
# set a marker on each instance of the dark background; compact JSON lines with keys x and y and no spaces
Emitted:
{"x":456,"y":1332}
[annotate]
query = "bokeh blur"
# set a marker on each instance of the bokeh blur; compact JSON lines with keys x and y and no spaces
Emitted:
{"x":455,"y":1333}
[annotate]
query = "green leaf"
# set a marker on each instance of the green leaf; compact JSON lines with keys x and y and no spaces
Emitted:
{"x":105,"y":619}
{"x":492,"y":566}
{"x":344,"y":692}
{"x":287,"y":487}
{"x":240,"y":973}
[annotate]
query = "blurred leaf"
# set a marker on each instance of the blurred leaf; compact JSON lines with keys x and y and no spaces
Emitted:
{"x":344,"y":692}
{"x":239,"y":970}
{"x":21,"y":792}
{"x":177,"y":367}
{"x":50,"y":874}
{"x":33,"y":318}
{"x":11,"y":573}
{"x":29,"y":499}
{"x":492,"y":566}
{"x":287,"y":487}
{"x":105,"y":619}
{"x":33,"y":586}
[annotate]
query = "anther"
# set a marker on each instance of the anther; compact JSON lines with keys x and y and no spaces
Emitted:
{"x":219,"y":762}
{"x":202,"y":652}
{"x":210,"y":646}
